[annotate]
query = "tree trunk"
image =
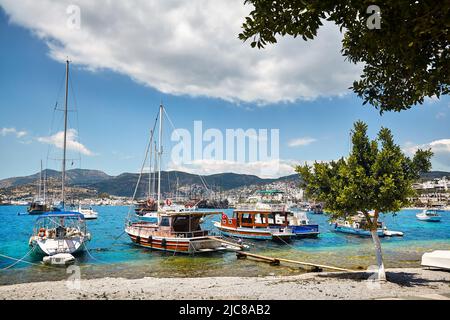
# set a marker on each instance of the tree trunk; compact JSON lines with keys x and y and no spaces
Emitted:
{"x":376,"y":242}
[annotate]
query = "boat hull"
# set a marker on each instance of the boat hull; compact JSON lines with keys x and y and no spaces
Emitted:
{"x":357,"y":232}
{"x":254,"y":233}
{"x":51,"y":247}
{"x":429,"y":219}
{"x":306,"y":231}
{"x":193,"y":245}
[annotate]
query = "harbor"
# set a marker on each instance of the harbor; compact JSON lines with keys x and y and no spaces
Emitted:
{"x":111,"y":254}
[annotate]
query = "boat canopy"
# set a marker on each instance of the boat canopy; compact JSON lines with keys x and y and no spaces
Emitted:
{"x":61,"y":214}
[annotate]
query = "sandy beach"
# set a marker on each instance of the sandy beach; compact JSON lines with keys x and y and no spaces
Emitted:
{"x":402,"y":284}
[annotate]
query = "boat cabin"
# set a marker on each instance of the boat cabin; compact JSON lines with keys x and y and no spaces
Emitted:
{"x":254,"y":219}
{"x":61,"y":225}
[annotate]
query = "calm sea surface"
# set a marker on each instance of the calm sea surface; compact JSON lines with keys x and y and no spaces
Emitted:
{"x":111,"y":253}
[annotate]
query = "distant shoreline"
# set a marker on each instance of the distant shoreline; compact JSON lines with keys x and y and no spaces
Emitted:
{"x":406,"y":282}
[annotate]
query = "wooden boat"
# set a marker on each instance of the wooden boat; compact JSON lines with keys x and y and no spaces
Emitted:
{"x":429,"y":215}
{"x":179,"y":232}
{"x":254,"y":224}
{"x":176,"y":229}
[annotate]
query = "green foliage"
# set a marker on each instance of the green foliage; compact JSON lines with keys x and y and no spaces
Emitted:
{"x":376,"y":176}
{"x":406,"y":60}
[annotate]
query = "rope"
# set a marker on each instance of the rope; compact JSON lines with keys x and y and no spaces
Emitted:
{"x":142,"y":167}
{"x":90,"y":255}
{"x":18,"y":260}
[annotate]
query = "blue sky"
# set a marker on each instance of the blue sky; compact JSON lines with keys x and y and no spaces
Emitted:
{"x":116,"y":109}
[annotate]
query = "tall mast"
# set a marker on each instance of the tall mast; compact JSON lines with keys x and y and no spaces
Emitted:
{"x":63,"y":195}
{"x":40,"y":183}
{"x":155,"y":155}
{"x":45,"y":187}
{"x":150,"y":165}
{"x":160,"y":152}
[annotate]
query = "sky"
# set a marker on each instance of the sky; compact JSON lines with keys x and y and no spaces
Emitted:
{"x":128,"y":56}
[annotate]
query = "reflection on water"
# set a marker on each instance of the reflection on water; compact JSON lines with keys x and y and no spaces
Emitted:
{"x":110,"y":256}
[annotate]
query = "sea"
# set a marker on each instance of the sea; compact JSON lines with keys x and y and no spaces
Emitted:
{"x":111,"y":253}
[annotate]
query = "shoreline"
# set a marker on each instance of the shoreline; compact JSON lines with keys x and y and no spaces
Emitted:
{"x":403,"y":282}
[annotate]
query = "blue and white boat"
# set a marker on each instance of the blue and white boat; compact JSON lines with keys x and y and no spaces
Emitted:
{"x":429,"y":215}
{"x":59,"y":232}
{"x":356,"y":226}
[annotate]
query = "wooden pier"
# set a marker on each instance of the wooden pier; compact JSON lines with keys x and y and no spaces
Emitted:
{"x":277,"y":261}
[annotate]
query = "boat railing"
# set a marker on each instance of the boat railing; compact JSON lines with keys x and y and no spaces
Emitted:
{"x":192,"y":234}
{"x":262,"y":206}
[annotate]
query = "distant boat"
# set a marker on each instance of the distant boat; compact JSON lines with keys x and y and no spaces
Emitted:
{"x":88,"y":212}
{"x":316,"y":209}
{"x":429,"y":215}
{"x":39,"y":205}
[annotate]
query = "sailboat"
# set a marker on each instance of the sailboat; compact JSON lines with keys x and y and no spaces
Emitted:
{"x":60,"y":232}
{"x":39,"y":205}
{"x":175,"y":229}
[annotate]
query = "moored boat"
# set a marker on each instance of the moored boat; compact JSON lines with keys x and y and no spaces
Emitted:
{"x":59,"y":232}
{"x":178,"y":232}
{"x":175,"y":228}
{"x":357,"y":226}
{"x":253,"y":224}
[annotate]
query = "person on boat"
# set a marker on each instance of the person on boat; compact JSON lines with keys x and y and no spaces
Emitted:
{"x":61,"y":230}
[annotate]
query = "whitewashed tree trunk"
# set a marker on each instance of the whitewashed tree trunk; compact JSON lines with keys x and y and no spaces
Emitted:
{"x":376,"y":242}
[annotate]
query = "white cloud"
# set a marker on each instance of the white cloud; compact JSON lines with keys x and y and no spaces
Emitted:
{"x":189,"y":47}
{"x":18,"y":133}
{"x":300,"y":142}
{"x":58,"y":141}
{"x":440,"y":148}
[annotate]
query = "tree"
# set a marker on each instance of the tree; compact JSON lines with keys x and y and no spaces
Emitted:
{"x":376,"y":176}
{"x":405,"y":60}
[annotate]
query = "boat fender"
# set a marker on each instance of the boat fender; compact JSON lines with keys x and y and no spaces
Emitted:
{"x":150,"y":239}
{"x":138,"y":239}
{"x":164,"y":243}
{"x":41,"y":232}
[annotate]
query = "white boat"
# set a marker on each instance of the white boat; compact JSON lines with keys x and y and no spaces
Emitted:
{"x":357,"y":226}
{"x":88,"y":213}
{"x":439,"y":259}
{"x":429,"y":215}
{"x":59,"y":232}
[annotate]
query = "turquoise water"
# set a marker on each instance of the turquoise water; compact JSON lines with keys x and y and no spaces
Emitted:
{"x":114,"y":256}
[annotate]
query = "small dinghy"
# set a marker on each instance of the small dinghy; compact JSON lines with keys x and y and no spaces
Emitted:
{"x":439,"y":259}
{"x":61,"y":259}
